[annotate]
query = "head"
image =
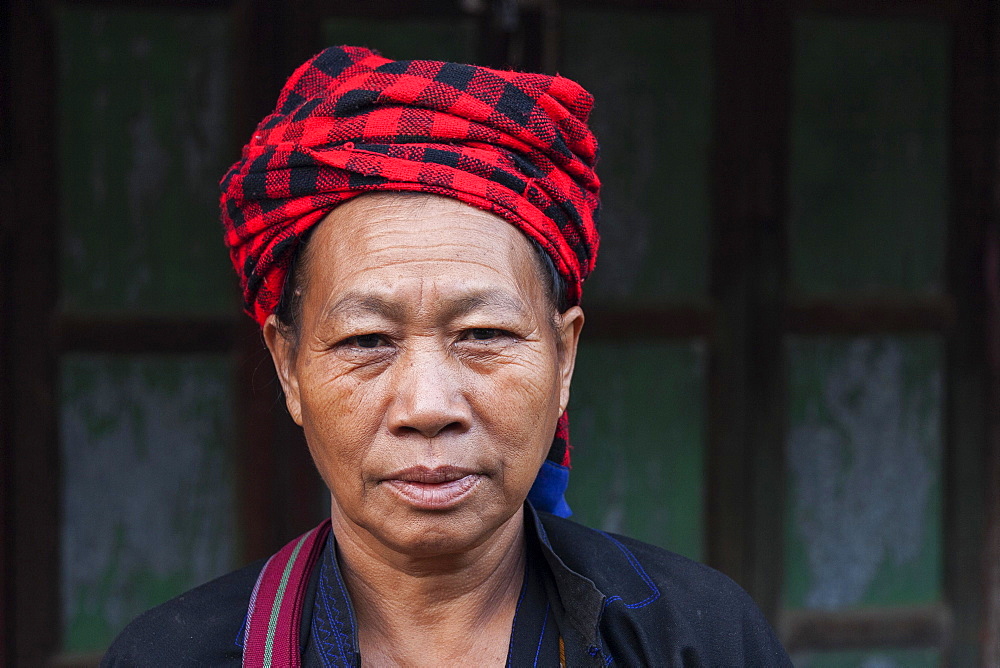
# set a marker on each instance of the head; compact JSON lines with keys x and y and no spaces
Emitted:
{"x":428,"y":363}
{"x":494,"y":167}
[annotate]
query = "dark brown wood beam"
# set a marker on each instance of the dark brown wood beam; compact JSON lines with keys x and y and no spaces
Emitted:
{"x":876,"y":628}
{"x":934,"y":10}
{"x":150,"y":4}
{"x":671,"y":322}
{"x":918,"y":9}
{"x":710,"y":6}
{"x":863,"y":317}
{"x":136,"y":335}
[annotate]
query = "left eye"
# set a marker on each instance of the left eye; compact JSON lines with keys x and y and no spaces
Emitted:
{"x":483,"y":333}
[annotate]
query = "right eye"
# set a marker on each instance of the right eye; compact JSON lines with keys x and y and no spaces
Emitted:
{"x":366,"y":341}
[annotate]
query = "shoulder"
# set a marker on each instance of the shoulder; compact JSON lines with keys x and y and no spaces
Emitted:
{"x":615,"y":560}
{"x":666,"y":602}
{"x":200,"y":627}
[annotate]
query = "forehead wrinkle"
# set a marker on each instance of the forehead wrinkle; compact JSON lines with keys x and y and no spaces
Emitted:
{"x":400,"y":262}
{"x":380,"y":241}
{"x":487,"y":298}
{"x":357,"y":303}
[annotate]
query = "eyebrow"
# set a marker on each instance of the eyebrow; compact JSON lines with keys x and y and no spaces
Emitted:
{"x":486,"y":299}
{"x":359,"y":303}
{"x":362,"y":303}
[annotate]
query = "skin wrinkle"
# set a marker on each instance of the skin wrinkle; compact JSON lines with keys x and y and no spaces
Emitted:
{"x":398,"y":204}
{"x":430,"y":393}
{"x":358,"y":304}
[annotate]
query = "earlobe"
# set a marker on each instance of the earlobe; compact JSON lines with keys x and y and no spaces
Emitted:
{"x":570,"y":326}
{"x":283,"y":356}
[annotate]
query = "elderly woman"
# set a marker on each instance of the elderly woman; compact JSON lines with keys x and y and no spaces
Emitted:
{"x":412,"y":238}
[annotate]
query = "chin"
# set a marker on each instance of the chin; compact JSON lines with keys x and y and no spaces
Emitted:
{"x":436,"y":534}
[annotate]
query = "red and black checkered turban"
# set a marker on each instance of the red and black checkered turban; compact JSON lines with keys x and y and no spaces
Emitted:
{"x":350,"y":121}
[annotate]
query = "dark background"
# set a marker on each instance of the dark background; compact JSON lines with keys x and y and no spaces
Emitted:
{"x":791,"y":364}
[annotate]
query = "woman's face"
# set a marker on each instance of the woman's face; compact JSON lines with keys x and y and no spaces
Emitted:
{"x":429,"y":371}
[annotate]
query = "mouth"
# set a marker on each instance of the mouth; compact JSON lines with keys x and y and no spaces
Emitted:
{"x":436,"y":488}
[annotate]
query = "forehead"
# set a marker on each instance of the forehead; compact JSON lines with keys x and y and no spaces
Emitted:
{"x":388,"y":238}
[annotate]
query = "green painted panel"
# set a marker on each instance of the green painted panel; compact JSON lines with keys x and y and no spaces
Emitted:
{"x":637,"y":413}
{"x":407,"y":39}
{"x":869,"y":156}
{"x":143,"y":141}
{"x":148,"y":495}
{"x":651,"y":76}
{"x":900,"y":658}
{"x":864,"y":462}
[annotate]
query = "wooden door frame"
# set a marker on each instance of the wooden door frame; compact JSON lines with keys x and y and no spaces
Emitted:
{"x":28,"y":410}
{"x":745,"y":465}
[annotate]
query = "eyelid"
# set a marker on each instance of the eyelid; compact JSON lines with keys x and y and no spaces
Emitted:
{"x":498,"y":332}
{"x":352,"y":341}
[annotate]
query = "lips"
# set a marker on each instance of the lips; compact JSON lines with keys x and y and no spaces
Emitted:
{"x":436,"y":488}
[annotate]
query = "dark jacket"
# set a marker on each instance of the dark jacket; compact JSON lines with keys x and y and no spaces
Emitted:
{"x":616,"y":601}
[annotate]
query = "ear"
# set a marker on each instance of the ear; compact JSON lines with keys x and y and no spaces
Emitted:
{"x":283,"y":355}
{"x":568,"y":328}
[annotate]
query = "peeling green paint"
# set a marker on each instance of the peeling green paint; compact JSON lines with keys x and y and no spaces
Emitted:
{"x":868,"y":187}
{"x":636,"y":413}
{"x":143,"y":141}
{"x":864,"y":459}
{"x":148,"y":497}
{"x":654,"y":124}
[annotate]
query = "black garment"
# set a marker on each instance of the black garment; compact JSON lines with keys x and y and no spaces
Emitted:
{"x":333,"y":641}
{"x":613,"y":600}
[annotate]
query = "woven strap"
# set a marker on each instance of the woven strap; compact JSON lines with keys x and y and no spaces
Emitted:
{"x":275,"y":615}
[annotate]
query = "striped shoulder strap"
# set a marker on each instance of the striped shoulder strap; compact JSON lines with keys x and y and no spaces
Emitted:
{"x":272,"y":630}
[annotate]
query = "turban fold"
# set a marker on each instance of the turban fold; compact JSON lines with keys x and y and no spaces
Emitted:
{"x":349,"y":121}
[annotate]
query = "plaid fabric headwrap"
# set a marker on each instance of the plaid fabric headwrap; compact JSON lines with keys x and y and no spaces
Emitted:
{"x":350,"y":121}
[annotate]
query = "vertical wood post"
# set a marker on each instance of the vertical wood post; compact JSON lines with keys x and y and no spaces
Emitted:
{"x":974,"y":173}
{"x":28,"y":371}
{"x":747,"y":380}
{"x":991,"y":280}
{"x":274,"y":471}
{"x":991,"y":554}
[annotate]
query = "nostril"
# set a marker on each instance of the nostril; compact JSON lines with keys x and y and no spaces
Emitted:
{"x":431,"y":430}
{"x":455,"y":427}
{"x":429,"y":423}
{"x":428,"y":399}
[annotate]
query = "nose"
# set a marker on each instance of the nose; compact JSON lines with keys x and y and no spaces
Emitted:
{"x":428,"y":397}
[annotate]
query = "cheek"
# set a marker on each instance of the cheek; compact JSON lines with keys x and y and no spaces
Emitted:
{"x":530,"y":382}
{"x":518,"y":405}
{"x":340,"y":417}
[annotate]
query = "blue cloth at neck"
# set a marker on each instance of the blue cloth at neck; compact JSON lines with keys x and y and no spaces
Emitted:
{"x":549,"y":490}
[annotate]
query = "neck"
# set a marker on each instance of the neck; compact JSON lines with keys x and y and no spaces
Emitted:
{"x":438,"y":609}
